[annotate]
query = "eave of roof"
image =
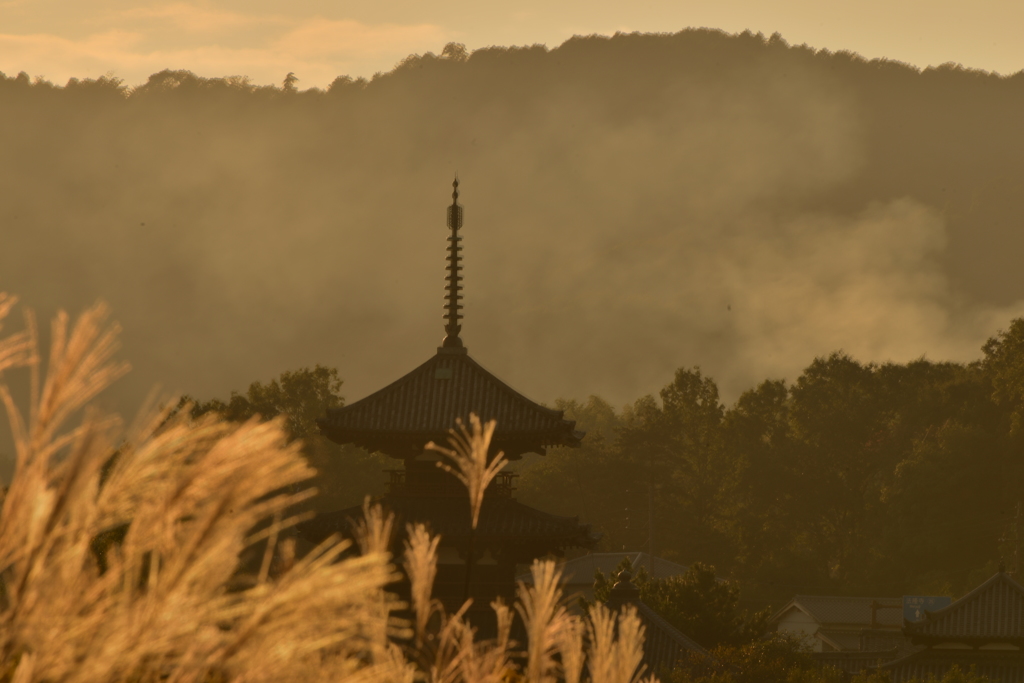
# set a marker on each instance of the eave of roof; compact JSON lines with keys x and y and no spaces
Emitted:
{"x":785,"y":609}
{"x":851,"y":611}
{"x":502,"y":521}
{"x":426,"y":403}
{"x":992,"y":612}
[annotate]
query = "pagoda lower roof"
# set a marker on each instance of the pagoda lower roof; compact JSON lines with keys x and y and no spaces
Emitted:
{"x":504,"y":523}
{"x":425,"y":404}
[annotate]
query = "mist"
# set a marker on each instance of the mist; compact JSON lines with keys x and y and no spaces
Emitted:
{"x":633,"y":205}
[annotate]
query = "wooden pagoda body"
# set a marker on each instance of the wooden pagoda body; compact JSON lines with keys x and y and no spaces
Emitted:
{"x":423,"y":406}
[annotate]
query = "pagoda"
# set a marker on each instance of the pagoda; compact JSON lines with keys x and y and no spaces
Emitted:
{"x":422,"y":406}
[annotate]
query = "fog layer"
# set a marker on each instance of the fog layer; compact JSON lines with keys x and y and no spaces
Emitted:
{"x":633,"y":205}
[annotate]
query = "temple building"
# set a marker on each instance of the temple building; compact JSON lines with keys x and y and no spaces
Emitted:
{"x":422,"y":406}
{"x":983,"y":631}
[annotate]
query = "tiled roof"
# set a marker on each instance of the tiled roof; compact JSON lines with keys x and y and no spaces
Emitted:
{"x":879,"y":639}
{"x":830,"y":610}
{"x":665,"y":646}
{"x":502,"y":520}
{"x":1001,"y":666}
{"x":839,"y":639}
{"x":424,"y":404}
{"x":582,"y":569}
{"x":992,"y":612}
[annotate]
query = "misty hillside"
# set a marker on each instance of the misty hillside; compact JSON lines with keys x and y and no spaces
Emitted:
{"x":634,"y":204}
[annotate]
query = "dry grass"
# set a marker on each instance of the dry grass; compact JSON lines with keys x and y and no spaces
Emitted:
{"x":615,"y":659}
{"x":468,"y":454}
{"x":186,"y":497}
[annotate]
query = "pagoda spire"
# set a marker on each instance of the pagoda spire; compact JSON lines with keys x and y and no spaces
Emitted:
{"x":454,"y":278}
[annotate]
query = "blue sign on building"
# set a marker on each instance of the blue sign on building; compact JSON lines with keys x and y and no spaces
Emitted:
{"x":914,"y":606}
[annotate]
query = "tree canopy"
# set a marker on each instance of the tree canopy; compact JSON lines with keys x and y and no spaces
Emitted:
{"x":857,"y":478}
{"x":346,"y":474}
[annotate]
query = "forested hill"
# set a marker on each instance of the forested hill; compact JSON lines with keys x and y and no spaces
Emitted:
{"x":635,"y":204}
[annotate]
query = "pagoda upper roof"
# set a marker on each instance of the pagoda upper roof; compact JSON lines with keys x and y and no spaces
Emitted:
{"x":991,"y":613}
{"x":425,"y":404}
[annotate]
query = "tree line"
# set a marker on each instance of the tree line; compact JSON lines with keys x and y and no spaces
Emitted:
{"x":857,"y":478}
{"x":872,"y":479}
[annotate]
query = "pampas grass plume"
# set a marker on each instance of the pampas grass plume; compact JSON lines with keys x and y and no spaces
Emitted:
{"x":178,"y":501}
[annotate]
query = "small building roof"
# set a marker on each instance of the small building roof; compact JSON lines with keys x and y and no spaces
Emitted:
{"x":425,"y":404}
{"x":992,"y":612}
{"x":849,"y":612}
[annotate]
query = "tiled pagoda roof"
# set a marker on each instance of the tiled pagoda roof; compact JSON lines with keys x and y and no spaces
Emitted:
{"x":991,"y":613}
{"x":503,"y":522}
{"x":424,"y":404}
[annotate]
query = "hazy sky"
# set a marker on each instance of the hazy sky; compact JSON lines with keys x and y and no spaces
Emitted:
{"x":322,"y":39}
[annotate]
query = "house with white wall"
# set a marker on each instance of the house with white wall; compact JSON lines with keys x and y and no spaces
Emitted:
{"x":830,"y":623}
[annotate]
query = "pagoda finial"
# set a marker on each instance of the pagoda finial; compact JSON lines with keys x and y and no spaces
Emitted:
{"x":454,"y":278}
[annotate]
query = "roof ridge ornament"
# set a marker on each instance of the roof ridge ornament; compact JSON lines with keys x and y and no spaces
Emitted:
{"x":454,"y":277}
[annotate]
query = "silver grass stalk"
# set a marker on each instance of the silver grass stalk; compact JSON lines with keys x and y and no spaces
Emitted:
{"x":570,"y":648}
{"x":544,"y":616}
{"x":373,"y":534}
{"x":450,"y":647}
{"x":629,"y":647}
{"x":184,"y":498}
{"x":504,"y":616}
{"x":469,"y":453}
{"x":18,"y":349}
{"x":373,"y":531}
{"x":488,"y":661}
{"x":615,"y":659}
{"x":421,"y":567}
{"x":601,"y":650}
